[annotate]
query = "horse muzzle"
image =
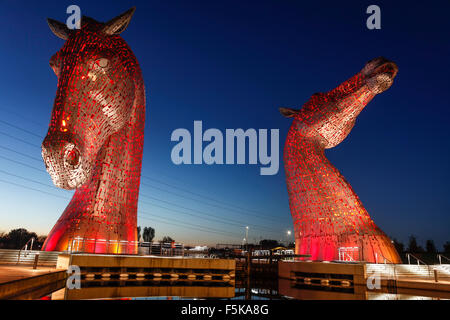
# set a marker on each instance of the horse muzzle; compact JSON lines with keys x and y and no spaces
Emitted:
{"x":64,"y":162}
{"x":380,"y":73}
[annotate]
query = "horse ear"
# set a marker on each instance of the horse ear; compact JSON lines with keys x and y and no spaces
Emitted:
{"x":288,"y":112}
{"x":59,"y":29}
{"x":119,"y":23}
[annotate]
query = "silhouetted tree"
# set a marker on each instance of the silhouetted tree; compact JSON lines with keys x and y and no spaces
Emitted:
{"x":17,"y":238}
{"x":138,"y":233}
{"x":3,"y":239}
{"x":269,"y":244}
{"x":167,"y":239}
{"x":40,"y":241}
{"x":430,"y":247}
{"x":413,"y":247}
{"x":399,"y":246}
{"x":447,"y":247}
{"x":148,"y":234}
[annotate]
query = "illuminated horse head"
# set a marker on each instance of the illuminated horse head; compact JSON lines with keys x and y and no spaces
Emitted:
{"x":95,"y":137}
{"x":329,"y":219}
{"x":333,"y":114}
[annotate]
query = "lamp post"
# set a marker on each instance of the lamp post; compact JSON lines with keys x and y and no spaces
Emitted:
{"x":288,"y":233}
{"x":246,"y":237}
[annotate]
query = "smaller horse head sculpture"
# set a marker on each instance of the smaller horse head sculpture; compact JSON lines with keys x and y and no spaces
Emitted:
{"x":95,"y":137}
{"x":330,"y":221}
{"x":333,"y":114}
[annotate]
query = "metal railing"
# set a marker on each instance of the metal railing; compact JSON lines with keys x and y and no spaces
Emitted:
{"x":25,"y":248}
{"x":345,"y":253}
{"x":161,"y":248}
{"x":396,"y":271}
{"x":431,"y":273}
{"x":440,"y":256}
{"x":384,"y":259}
{"x":392,"y":273}
{"x":81,"y":245}
{"x":408,"y":255}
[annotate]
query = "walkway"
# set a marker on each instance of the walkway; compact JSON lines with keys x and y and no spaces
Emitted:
{"x":23,"y":282}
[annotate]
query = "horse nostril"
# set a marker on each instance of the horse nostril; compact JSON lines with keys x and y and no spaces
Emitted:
{"x":72,"y":156}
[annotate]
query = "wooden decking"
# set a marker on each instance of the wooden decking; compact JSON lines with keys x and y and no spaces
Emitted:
{"x":23,"y":282}
{"x":11,"y":272}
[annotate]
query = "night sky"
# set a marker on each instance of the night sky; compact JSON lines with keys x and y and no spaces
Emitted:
{"x":231,"y":64}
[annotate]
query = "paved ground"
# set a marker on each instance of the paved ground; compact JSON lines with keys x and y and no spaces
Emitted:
{"x":10,"y":273}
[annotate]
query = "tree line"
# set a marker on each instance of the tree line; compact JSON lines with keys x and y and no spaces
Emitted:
{"x":414,"y":247}
{"x":148,"y":233}
{"x":17,"y":238}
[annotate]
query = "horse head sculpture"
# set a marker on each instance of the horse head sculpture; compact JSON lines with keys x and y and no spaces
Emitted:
{"x":95,"y":138}
{"x":329,"y":219}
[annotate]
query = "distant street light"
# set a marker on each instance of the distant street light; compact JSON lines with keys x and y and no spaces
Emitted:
{"x":288,"y":233}
{"x":246,"y":237}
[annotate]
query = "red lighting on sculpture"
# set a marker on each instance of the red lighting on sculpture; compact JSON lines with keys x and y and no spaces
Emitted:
{"x":330,"y":221}
{"x":95,"y":138}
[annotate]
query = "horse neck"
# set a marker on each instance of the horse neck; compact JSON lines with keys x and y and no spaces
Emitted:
{"x":311,"y":176}
{"x":116,"y":179}
{"x":303,"y":157}
{"x":314,"y":131}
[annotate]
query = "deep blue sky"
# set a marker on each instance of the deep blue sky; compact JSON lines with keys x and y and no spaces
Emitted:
{"x":231,"y":64}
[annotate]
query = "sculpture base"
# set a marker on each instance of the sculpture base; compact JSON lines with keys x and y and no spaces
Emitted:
{"x":352,"y":247}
